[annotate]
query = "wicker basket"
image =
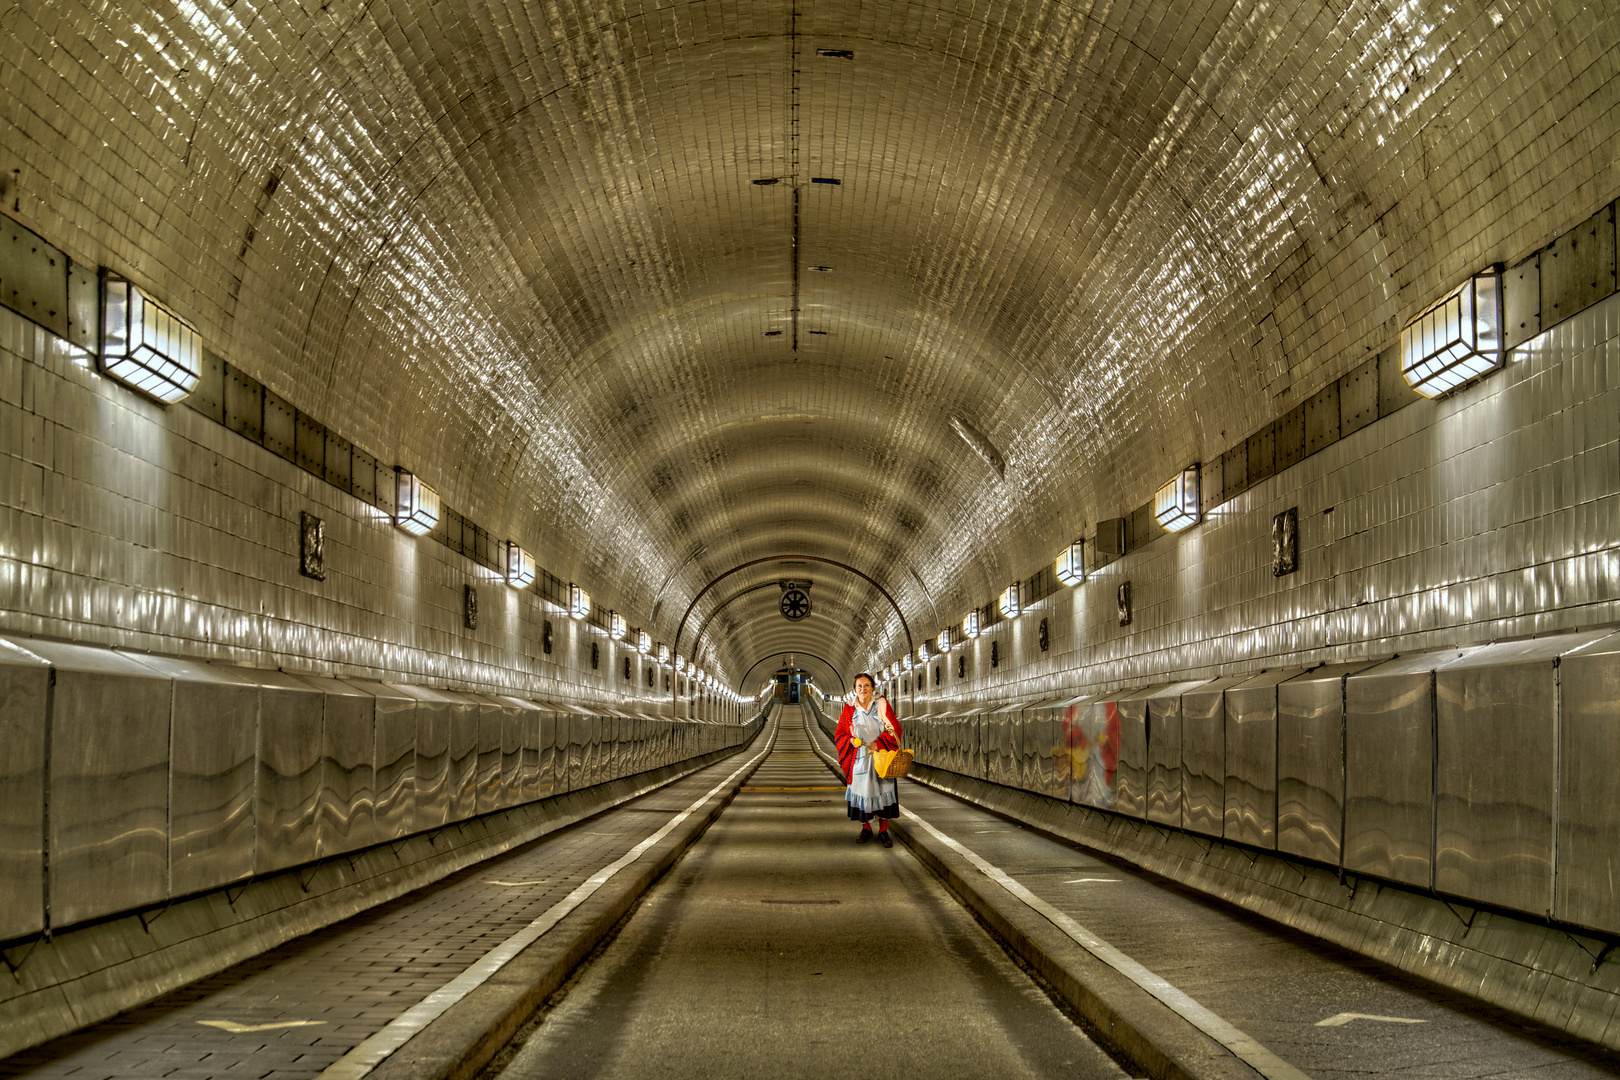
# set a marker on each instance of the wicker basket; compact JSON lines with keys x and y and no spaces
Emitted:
{"x":891,"y":764}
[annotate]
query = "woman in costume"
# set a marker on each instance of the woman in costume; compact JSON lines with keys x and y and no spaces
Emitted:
{"x":868,"y":724}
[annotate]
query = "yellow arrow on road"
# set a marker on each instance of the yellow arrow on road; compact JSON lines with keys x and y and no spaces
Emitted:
{"x":242,"y":1029}
{"x":1344,"y":1018}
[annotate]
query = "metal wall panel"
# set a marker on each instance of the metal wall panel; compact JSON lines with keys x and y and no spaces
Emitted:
{"x":432,"y":774}
{"x":1164,"y":768}
{"x":998,"y":734}
{"x":1251,"y":759}
{"x":491,"y":787}
{"x":554,"y":764}
{"x":1130,"y":785}
{"x":461,"y":790}
{"x":1389,"y":769}
{"x":1495,"y":782}
{"x":1203,"y":757}
{"x":1043,"y":742}
{"x":346,"y":809}
{"x":394,"y":759}
{"x":24,"y":694}
{"x":109,"y":783}
{"x":579,"y":737}
{"x":1588,"y":856}
{"x":213,"y":746}
{"x":1092,"y":740}
{"x":1310,"y":762}
{"x":287,"y":797}
{"x":536,"y":730}
{"x":517,"y":752}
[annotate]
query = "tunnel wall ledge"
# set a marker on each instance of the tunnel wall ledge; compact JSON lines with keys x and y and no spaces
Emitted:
{"x":1545,"y":973}
{"x":88,"y":974}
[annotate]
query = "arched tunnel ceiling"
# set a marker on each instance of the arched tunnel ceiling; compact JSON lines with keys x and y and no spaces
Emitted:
{"x":521,"y":249}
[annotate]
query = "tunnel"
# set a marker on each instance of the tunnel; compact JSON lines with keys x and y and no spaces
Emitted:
{"x":493,"y":490}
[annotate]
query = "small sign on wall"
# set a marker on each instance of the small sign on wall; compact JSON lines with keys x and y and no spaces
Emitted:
{"x":311,"y":546}
{"x":1124,"y":603}
{"x":469,"y":608}
{"x":1285,"y":542}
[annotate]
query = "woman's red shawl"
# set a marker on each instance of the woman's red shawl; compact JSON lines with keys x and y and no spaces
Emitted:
{"x":842,"y":736}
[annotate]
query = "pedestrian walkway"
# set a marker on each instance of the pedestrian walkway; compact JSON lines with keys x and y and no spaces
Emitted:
{"x":1321,"y":1010}
{"x":296,"y":1010}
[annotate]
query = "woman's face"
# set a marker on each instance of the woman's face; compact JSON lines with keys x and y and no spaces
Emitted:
{"x":863,"y":692}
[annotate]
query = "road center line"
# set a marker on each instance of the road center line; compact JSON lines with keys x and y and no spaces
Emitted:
{"x":373,"y":1051}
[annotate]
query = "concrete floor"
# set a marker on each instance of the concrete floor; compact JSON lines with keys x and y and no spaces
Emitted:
{"x":779,"y":947}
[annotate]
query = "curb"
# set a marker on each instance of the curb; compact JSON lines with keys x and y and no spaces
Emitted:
{"x":469,"y":1034}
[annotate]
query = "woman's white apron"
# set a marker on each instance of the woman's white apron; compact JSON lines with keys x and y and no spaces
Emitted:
{"x":867,"y":793}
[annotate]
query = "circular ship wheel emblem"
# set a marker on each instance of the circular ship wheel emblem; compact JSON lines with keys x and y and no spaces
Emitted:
{"x":795,"y":604}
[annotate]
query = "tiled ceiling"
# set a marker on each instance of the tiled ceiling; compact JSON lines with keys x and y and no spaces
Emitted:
{"x":521,"y":248}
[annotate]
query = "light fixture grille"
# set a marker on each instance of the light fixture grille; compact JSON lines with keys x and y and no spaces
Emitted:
{"x":416,"y":506}
{"x":1175,"y":505}
{"x":1071,"y":564}
{"x":520,"y":571}
{"x":1456,"y":340}
{"x":146,"y":346}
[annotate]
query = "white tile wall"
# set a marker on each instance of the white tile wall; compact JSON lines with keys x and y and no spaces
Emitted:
{"x":1492,"y":514}
{"x":124,"y":523}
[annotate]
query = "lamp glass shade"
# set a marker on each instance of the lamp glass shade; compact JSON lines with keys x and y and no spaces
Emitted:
{"x":1175,"y":505}
{"x":1455,"y":340}
{"x":146,"y":346}
{"x":1071,"y":564}
{"x":519,"y":566}
{"x":416,"y":506}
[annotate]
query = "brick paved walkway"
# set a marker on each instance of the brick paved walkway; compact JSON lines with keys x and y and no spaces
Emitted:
{"x":342,"y":984}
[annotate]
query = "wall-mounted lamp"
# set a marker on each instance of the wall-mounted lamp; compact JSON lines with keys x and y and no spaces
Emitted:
{"x":1176,"y":504}
{"x":945,"y":640}
{"x":519,"y":566}
{"x":922,"y":653}
{"x":146,"y":346}
{"x":663,"y":653}
{"x":643,"y":642}
{"x":970,"y":624}
{"x":616,"y":629}
{"x":1009,"y":601}
{"x":416,"y":506}
{"x":1071,"y":565}
{"x":579,"y":601}
{"x":1455,"y":340}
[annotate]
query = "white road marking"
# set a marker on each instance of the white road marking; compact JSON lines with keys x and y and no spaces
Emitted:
{"x":242,"y":1029}
{"x":371,"y":1053}
{"x":1245,"y":1046}
{"x":1344,"y":1018}
{"x":516,"y":884}
{"x":1083,"y":880}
